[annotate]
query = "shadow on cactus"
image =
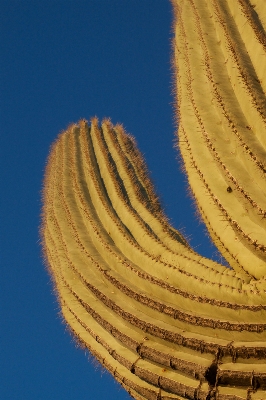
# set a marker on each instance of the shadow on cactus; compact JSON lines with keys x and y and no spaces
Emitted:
{"x":166,"y":322}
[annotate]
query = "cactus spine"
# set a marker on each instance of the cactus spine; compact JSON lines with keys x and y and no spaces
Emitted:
{"x":166,"y":322}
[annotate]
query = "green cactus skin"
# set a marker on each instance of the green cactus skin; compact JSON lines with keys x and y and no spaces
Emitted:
{"x":166,"y":322}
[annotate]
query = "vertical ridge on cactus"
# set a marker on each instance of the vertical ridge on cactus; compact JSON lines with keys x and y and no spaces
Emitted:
{"x":166,"y":322}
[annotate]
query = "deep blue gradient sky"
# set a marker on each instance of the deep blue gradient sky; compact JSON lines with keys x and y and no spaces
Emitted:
{"x":60,"y":61}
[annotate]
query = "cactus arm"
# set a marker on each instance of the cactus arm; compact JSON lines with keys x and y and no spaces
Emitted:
{"x":114,"y":293}
{"x":221,"y":165}
{"x":166,"y":322}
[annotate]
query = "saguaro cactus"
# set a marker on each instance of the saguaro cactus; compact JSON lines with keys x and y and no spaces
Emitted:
{"x":221,"y":53}
{"x":166,"y":322}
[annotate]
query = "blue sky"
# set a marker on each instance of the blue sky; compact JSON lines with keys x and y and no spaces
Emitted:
{"x":60,"y":61}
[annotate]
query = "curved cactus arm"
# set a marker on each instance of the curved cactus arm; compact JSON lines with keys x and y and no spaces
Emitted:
{"x":166,"y":322}
{"x":222,"y":119}
{"x":156,"y":314}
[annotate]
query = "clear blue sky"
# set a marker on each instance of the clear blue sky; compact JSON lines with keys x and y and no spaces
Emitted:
{"x":62,"y":60}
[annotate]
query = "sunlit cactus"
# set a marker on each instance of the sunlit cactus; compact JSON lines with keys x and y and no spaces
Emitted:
{"x":221,"y":63}
{"x":166,"y":322}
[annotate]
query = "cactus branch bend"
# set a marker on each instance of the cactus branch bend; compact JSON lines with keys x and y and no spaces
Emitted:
{"x":166,"y":322}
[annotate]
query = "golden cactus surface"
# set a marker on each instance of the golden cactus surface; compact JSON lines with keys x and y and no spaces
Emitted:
{"x":166,"y":322}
